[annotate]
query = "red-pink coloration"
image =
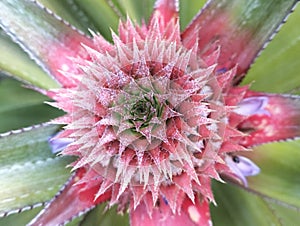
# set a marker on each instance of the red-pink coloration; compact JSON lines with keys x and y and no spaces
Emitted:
{"x":220,"y":29}
{"x":278,"y":121}
{"x":191,"y":214}
{"x":156,"y":115}
{"x":68,"y":48}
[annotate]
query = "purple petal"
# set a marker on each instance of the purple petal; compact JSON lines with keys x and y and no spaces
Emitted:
{"x":59,"y":144}
{"x":252,"y":105}
{"x":242,"y":167}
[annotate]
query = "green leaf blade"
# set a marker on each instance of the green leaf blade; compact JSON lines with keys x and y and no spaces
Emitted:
{"x":238,"y":207}
{"x":276,"y":69}
{"x":21,"y":107}
{"x":14,"y":62}
{"x":29,"y":172}
{"x":279,"y":178}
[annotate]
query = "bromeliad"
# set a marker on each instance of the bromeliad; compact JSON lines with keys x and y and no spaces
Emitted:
{"x":157,"y":114}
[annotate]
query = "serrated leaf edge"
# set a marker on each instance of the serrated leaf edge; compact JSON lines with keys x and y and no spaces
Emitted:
{"x":22,"y":130}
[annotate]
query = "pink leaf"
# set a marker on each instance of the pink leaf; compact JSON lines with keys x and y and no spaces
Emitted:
{"x":271,"y":117}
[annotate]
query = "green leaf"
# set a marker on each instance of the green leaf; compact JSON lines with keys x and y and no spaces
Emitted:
{"x":20,"y":107}
{"x":76,"y":221}
{"x":15,"y":62}
{"x":188,"y":9}
{"x":101,"y":14}
{"x":71,"y":12}
{"x":102,"y":217}
{"x":86,"y":15}
{"x":277,"y":69}
{"x":287,"y":216}
{"x":237,"y":207}
{"x":137,"y":10}
{"x":141,"y":10}
{"x":29,"y":172}
{"x":279,"y":177}
{"x":20,"y":219}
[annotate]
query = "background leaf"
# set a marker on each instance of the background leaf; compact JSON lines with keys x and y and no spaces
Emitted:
{"x":70,"y":12}
{"x":20,"y":219}
{"x":286,"y":216}
{"x":14,"y":62}
{"x":188,"y":9}
{"x":29,"y":172}
{"x":279,"y":178}
{"x":277,"y":69}
{"x":102,"y":216}
{"x":21,"y":107}
{"x":238,"y":207}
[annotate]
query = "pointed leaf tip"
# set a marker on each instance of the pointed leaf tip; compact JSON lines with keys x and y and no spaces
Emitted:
{"x":167,"y":8}
{"x":25,"y":162}
{"x":165,"y":11}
